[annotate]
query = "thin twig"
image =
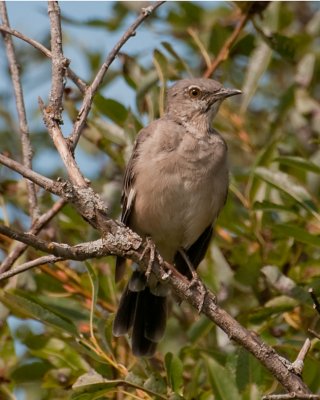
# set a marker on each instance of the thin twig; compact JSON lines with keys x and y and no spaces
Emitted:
{"x":28,"y":265}
{"x":41,"y":222}
{"x":224,"y":52}
{"x":59,"y":62}
{"x":93,"y":88}
{"x":299,"y":362}
{"x":23,"y":124}
{"x":316,"y":304}
{"x":46,"y":183}
{"x":61,"y":145}
{"x":88,"y":203}
{"x":71,"y":74}
{"x":291,"y":396}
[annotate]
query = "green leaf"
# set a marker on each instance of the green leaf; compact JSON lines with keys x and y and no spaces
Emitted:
{"x":94,"y":391}
{"x":285,"y":184}
{"x":266,"y":205}
{"x":257,"y":65}
{"x":112,"y":109}
{"x":182,"y":63}
{"x":283,"y":45}
{"x":248,"y":370}
{"x":60,"y":354}
{"x":305,"y":69}
{"x":95,"y":288}
{"x":285,"y":285}
{"x":299,"y":162}
{"x":161,"y":60}
{"x":278,"y":305}
{"x":299,"y":234}
{"x":30,"y":308}
{"x":199,"y":329}
{"x":174,"y":370}
{"x":155,"y":384}
{"x":222,"y":383}
{"x":31,"y":371}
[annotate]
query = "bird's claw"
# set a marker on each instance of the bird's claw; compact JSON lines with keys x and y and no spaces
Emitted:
{"x":151,"y":248}
{"x":195,"y":283}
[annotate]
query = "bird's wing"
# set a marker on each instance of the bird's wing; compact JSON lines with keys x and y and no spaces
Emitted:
{"x":195,"y":253}
{"x":129,"y":194}
{"x":198,"y":249}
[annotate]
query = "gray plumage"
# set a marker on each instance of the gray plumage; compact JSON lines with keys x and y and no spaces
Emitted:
{"x":175,"y":185}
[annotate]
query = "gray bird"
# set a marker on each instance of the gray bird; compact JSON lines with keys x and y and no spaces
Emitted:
{"x":175,"y":185}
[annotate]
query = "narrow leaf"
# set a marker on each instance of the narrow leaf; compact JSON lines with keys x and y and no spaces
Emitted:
{"x":299,"y":162}
{"x":174,"y":369}
{"x":299,"y":234}
{"x":30,"y":308}
{"x":223,"y":385}
{"x":285,"y":184}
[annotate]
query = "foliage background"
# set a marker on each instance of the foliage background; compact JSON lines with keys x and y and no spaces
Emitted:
{"x":265,"y":254}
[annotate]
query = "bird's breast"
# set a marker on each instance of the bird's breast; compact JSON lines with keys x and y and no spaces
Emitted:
{"x":179,"y":194}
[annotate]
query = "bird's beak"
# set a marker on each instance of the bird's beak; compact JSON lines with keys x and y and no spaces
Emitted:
{"x":224,"y":92}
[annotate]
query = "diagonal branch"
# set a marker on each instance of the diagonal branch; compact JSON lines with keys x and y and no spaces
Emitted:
{"x":93,"y":88}
{"x":23,"y":124}
{"x":224,"y":52}
{"x":41,"y":222}
{"x":70,"y":73}
{"x":45,"y":183}
{"x":28,"y":265}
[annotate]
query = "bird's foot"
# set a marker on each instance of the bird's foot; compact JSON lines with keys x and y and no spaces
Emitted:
{"x":151,"y":248}
{"x":196,"y":285}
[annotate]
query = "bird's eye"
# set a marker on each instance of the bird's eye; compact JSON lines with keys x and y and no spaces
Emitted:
{"x":194,"y":92}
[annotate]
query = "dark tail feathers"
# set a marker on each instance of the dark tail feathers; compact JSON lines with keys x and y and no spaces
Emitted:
{"x":145,"y":313}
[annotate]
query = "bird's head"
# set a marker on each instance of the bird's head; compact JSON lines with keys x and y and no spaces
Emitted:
{"x":196,"y":101}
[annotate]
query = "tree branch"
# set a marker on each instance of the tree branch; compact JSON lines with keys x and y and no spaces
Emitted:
{"x":28,"y":265}
{"x":74,"y":173}
{"x":224,"y":52}
{"x":46,"y":183}
{"x":82,"y":86}
{"x":23,"y":124}
{"x":126,"y":243}
{"x":88,"y":203}
{"x":93,"y":88}
{"x":291,"y":396}
{"x":35,"y":229}
{"x":59,"y":62}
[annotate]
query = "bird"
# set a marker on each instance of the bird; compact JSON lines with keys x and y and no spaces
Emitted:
{"x":175,"y":185}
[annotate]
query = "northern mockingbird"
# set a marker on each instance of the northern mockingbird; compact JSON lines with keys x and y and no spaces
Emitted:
{"x":175,"y":185}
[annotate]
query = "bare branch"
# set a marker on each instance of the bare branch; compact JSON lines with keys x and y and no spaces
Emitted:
{"x":28,"y":265}
{"x":109,"y":245}
{"x":299,"y":362}
{"x":23,"y":124}
{"x":59,"y":62}
{"x":52,"y":124}
{"x":224,"y":52}
{"x":70,"y":73}
{"x":46,"y":183}
{"x":89,"y":204}
{"x":291,"y":396}
{"x":35,"y":229}
{"x":92,"y":89}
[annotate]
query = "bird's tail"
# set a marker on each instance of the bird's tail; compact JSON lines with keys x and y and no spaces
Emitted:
{"x":142,"y":311}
